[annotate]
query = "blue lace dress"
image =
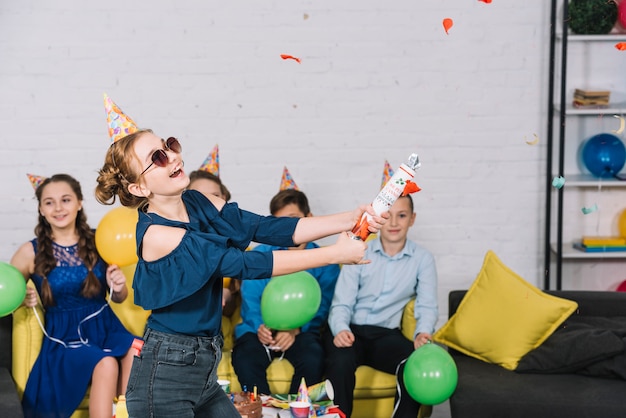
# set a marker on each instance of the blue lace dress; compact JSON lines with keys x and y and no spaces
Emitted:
{"x":62,"y":372}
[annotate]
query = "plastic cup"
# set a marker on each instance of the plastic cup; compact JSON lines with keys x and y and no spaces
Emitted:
{"x":322,"y":391}
{"x":225,"y":385}
{"x":299,"y":409}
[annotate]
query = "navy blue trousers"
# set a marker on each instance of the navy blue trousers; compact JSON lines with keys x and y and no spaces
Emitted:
{"x":250,"y":361}
{"x":381,"y":348}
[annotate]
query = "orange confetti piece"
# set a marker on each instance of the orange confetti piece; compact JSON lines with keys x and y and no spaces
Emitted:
{"x":447,"y":24}
{"x":290,"y":57}
{"x":410,"y":187}
{"x":486,"y":1}
{"x":621,"y":46}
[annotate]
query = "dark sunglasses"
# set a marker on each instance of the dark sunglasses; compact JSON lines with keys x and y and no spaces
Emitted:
{"x":159,"y":157}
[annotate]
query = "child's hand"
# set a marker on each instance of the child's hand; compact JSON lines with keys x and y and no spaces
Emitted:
{"x":116,"y":278}
{"x":349,"y":250}
{"x":344,"y":339}
{"x":265,"y":335}
{"x":30,"y":299}
{"x":375,"y":222}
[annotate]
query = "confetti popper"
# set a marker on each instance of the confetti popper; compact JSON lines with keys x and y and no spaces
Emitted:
{"x":399,"y":184}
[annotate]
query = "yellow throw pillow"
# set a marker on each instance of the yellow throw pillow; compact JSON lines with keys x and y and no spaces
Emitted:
{"x":502,"y":317}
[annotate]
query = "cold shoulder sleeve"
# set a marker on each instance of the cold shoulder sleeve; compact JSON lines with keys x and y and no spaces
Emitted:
{"x":240,"y":226}
{"x":196,"y":261}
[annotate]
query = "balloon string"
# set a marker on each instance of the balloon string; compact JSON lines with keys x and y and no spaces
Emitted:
{"x":601,"y":204}
{"x":71,"y":344}
{"x":398,"y":389}
{"x":269,"y":356}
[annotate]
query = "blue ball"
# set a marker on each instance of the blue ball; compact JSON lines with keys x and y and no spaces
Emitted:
{"x":604,"y":155}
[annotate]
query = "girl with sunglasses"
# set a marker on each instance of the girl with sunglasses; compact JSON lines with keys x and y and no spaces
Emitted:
{"x":186,"y":243}
{"x":86,"y":343}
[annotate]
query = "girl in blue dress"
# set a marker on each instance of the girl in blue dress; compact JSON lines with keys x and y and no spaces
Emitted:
{"x":186,"y":244}
{"x":85,"y":342}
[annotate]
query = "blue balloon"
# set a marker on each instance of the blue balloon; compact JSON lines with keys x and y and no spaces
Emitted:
{"x":604,"y":155}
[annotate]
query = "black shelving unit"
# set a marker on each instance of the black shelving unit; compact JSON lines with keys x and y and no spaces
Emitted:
{"x":558,"y":110}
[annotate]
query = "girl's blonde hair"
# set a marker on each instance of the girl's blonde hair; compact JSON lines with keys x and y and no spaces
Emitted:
{"x":117,"y":173}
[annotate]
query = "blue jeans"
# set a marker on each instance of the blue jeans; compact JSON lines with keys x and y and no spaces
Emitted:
{"x":176,"y":376}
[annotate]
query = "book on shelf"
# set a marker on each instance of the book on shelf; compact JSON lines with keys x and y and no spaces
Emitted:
{"x":591,"y":98}
{"x":599,"y":249}
{"x":592,"y":93}
{"x":589,"y":240}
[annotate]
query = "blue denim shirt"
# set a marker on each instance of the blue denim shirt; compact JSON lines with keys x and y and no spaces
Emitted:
{"x":184,"y":288}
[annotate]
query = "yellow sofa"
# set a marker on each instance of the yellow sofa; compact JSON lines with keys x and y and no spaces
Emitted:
{"x":373,"y":394}
{"x":374,"y":391}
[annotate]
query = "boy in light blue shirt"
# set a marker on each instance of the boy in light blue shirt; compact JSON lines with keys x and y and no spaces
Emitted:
{"x":366,"y":311}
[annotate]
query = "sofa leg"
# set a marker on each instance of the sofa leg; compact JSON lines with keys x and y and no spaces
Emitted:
{"x":425,"y":411}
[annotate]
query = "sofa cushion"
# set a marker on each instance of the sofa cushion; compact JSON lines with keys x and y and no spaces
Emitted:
{"x":487,"y":390}
{"x":502,"y":317}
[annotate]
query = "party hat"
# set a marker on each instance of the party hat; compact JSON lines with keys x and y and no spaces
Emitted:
{"x":212,"y":162}
{"x":287,"y":182}
{"x":387,"y":174}
{"x":120,"y":125}
{"x":35,"y":180}
{"x":303,"y":391}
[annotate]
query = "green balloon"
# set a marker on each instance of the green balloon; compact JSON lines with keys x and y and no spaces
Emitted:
{"x":290,"y":301}
{"x":430,"y":375}
{"x":12,"y":288}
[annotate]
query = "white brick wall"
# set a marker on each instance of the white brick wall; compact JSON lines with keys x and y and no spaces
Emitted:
{"x":377,"y":80}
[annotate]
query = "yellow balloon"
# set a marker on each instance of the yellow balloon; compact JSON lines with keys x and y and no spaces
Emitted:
{"x":133,"y":317}
{"x":115,"y":236}
{"x":621,"y":223}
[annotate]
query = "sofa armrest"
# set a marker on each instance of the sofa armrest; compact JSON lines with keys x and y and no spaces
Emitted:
{"x":27,"y":339}
{"x":408,"y":323}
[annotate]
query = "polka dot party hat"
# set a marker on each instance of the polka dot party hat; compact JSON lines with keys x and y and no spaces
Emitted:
{"x":120,"y":125}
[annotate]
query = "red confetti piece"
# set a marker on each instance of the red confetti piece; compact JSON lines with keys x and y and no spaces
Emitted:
{"x":485,"y":1}
{"x":290,"y":57}
{"x":621,"y":46}
{"x":410,"y":187}
{"x":447,"y":24}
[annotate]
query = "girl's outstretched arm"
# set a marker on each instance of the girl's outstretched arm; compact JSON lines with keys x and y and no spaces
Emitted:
{"x":315,"y":227}
{"x":345,"y":251}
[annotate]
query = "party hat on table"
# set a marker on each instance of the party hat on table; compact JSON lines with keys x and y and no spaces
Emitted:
{"x":287,"y":182}
{"x":303,"y":391}
{"x":120,"y":125}
{"x":35,"y":180}
{"x":212,"y":162}
{"x":387,"y":174}
{"x":303,"y":396}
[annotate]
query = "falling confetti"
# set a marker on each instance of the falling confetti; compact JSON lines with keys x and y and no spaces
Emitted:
{"x":486,"y":1}
{"x":305,"y":16}
{"x":587,"y":211}
{"x":621,"y":46}
{"x":558,"y":182}
{"x":621,"y":125}
{"x":534,"y":141}
{"x":290,"y":57}
{"x":447,"y":24}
